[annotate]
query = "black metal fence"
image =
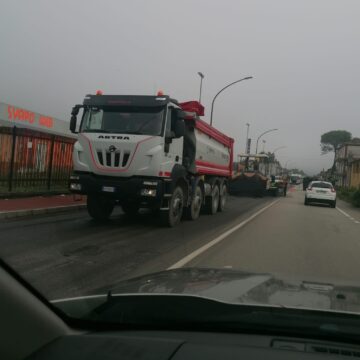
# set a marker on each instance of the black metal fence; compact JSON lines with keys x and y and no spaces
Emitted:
{"x":32,"y":161}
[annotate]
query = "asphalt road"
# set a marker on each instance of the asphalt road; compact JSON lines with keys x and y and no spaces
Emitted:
{"x":67,"y":255}
{"x":294,"y":241}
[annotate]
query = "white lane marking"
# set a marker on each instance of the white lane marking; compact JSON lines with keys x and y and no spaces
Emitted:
{"x":347,"y":215}
{"x":221,"y":237}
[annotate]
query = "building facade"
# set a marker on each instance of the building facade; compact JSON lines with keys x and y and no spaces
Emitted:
{"x":36,"y":151}
{"x":347,"y":165}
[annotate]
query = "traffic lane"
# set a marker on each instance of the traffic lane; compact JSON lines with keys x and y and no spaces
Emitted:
{"x":68,"y":254}
{"x":290,"y":239}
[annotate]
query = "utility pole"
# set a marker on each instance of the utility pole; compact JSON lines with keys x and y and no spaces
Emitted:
{"x":247,"y":138}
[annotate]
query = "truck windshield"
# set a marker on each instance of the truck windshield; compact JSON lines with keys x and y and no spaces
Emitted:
{"x":144,"y":121}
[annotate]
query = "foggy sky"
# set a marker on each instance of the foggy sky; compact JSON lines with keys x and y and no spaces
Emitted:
{"x":304,"y":56}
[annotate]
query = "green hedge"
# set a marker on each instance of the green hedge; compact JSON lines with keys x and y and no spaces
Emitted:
{"x":351,"y":195}
{"x":355,"y":198}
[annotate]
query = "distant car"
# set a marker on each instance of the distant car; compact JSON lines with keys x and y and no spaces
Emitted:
{"x":320,"y":192}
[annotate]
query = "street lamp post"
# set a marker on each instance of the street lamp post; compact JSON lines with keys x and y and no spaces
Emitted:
{"x":264,"y":142}
{"x":218,"y":93}
{"x":265,"y":132}
{"x":201,"y":80}
{"x":247,"y":138}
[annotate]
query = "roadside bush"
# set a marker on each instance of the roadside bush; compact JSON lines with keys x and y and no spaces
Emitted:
{"x":351,"y":195}
{"x":355,"y":198}
{"x":345,"y":193}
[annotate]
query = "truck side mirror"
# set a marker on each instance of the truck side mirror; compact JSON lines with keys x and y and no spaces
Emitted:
{"x":73,"y":124}
{"x":74,"y":113}
{"x":179,"y":128}
{"x":180,"y":114}
{"x":75,"y":110}
{"x":169,"y":135}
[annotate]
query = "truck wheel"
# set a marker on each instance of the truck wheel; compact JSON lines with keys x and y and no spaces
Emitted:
{"x":193,"y":211}
{"x":172,"y":216}
{"x":99,"y":208}
{"x":213,"y":203}
{"x":130,"y":209}
{"x":223,"y":198}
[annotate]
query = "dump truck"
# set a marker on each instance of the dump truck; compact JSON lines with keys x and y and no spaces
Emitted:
{"x":149,"y":152}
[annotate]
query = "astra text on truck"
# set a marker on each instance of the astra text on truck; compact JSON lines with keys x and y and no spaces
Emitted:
{"x":149,"y":152}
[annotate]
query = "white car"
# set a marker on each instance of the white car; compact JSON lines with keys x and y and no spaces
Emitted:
{"x":320,"y":192}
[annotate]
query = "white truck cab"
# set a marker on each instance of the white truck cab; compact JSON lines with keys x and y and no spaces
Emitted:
{"x":140,"y":151}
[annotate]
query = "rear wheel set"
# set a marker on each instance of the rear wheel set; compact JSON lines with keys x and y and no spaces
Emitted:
{"x":212,"y":203}
{"x":193,"y":211}
{"x":223,"y":198}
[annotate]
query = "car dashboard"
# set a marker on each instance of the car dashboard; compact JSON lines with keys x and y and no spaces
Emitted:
{"x":180,"y":345}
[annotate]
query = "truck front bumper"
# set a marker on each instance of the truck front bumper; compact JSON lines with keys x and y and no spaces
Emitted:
{"x":144,"y":190}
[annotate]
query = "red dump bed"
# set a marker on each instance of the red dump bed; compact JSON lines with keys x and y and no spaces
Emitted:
{"x":214,"y":149}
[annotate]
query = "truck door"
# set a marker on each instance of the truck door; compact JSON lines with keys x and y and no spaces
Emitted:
{"x":173,"y":147}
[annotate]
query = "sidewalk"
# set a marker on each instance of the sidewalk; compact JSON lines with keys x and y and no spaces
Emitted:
{"x":10,"y":208}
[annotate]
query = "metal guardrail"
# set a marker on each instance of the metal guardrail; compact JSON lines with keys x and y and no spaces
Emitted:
{"x":32,"y":161}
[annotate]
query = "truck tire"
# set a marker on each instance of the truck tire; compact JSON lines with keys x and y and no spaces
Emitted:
{"x":130,"y":209}
{"x":172,"y":216}
{"x":213,"y":201}
{"x":99,"y":208}
{"x":223,"y":198}
{"x":193,"y":211}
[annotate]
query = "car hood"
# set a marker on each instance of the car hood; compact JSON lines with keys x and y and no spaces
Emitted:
{"x":235,"y":287}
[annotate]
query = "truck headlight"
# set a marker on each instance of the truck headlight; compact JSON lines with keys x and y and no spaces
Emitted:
{"x":74,"y":186}
{"x":148,"y":192}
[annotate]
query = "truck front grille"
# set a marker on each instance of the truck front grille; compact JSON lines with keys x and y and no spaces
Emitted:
{"x":115,"y":159}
